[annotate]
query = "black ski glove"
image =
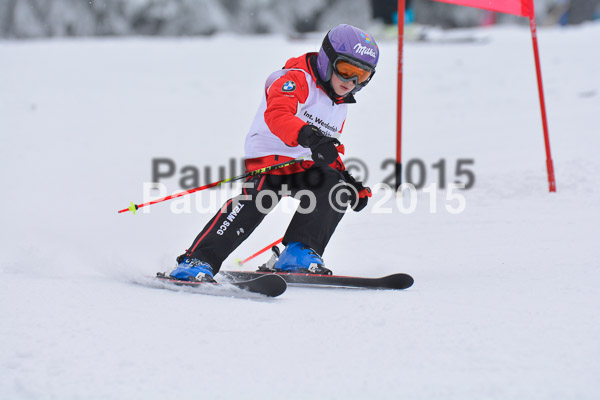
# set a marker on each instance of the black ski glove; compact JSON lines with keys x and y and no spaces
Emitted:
{"x":360,"y":196}
{"x":323,"y":147}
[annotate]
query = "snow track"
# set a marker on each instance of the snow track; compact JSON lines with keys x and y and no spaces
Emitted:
{"x":505,"y":300}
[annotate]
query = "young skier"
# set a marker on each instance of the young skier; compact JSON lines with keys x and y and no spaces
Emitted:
{"x":302,"y":114}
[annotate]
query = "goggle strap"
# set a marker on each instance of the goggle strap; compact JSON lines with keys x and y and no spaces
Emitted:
{"x":328,"y":48}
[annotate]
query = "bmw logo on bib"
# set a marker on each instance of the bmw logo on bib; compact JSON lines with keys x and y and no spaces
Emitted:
{"x":289,"y":86}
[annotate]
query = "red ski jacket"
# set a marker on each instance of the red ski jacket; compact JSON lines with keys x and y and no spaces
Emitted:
{"x":293,"y":98}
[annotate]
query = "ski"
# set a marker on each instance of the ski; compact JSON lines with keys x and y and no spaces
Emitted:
{"x":269,"y":285}
{"x":393,"y":282}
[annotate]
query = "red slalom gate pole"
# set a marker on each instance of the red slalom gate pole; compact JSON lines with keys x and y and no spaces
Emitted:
{"x":134,"y":207}
{"x":398,"y":169}
{"x":538,"y":70}
{"x":258,"y":253}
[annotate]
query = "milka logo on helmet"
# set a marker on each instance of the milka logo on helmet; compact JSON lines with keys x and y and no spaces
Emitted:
{"x":362,"y":50}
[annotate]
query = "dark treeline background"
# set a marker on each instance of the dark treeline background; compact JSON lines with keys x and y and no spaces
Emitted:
{"x":51,"y":18}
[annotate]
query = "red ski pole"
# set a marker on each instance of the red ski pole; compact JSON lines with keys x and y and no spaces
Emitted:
{"x":258,"y":253}
{"x":134,"y":207}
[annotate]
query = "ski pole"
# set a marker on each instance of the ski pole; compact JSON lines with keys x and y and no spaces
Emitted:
{"x":258,"y":253}
{"x":134,"y":207}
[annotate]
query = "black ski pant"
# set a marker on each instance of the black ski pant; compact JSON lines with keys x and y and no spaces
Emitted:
{"x":313,"y":223}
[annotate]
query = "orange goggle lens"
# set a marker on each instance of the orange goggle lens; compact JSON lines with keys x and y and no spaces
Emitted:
{"x":348,"y":71}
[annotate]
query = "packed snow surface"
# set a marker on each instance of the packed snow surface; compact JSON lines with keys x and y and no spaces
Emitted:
{"x":505,"y":302}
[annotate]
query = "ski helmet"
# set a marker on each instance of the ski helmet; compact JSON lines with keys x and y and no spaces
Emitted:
{"x":351,"y":44}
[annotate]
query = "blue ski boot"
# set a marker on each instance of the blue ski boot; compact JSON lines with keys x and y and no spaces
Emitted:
{"x":299,"y":258}
{"x":191,"y":269}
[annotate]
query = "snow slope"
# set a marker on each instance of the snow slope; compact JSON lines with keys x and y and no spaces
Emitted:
{"x":506,"y":294}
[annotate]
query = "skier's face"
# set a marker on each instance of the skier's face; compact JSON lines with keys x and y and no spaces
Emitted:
{"x":341,"y":88}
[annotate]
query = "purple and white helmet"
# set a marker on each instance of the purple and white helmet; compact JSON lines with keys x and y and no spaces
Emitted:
{"x":346,"y":41}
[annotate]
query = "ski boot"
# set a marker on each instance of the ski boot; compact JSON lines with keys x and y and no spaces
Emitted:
{"x":299,"y":258}
{"x":192,"y":269}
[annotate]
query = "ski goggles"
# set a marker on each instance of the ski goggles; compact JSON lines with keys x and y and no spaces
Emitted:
{"x":348,"y":70}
